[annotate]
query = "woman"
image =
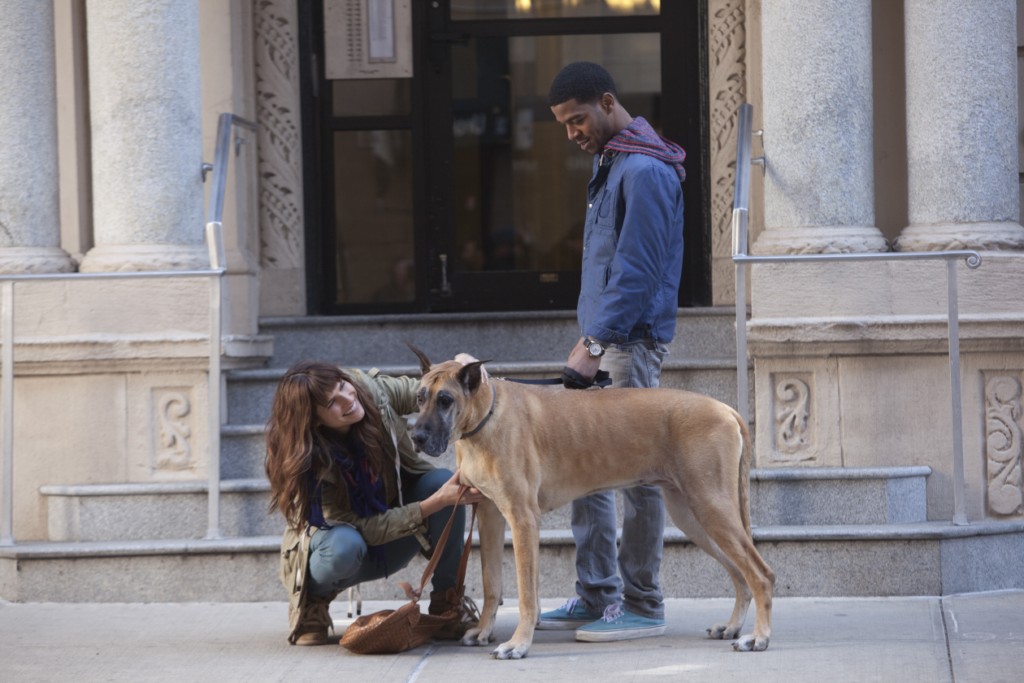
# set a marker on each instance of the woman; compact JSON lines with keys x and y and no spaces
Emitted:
{"x":359,"y":501}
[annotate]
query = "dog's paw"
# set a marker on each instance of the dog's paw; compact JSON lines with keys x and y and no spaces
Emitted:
{"x":510,"y":650}
{"x":723,"y":632}
{"x":476,"y":636}
{"x":750,"y":643}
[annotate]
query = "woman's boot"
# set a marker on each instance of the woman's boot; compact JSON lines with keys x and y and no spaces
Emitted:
{"x":313,"y":622}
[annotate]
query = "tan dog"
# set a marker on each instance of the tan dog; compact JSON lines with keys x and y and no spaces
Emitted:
{"x":532,"y":449}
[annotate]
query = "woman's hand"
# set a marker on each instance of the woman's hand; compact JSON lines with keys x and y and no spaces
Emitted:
{"x":447,"y":495}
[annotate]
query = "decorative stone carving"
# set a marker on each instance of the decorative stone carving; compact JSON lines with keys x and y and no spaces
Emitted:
{"x":727,"y":75}
{"x":173,"y":419}
{"x":280,"y":150}
{"x":793,"y":432}
{"x":1003,"y":446}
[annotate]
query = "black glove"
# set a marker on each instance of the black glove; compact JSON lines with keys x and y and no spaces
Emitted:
{"x":574,"y":380}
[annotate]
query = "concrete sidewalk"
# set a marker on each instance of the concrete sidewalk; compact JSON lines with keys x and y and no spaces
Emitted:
{"x":974,"y":638}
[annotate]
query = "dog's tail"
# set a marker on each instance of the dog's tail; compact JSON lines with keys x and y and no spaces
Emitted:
{"x":744,"y":483}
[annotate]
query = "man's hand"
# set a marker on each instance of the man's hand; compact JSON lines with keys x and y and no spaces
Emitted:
{"x":581,"y":362}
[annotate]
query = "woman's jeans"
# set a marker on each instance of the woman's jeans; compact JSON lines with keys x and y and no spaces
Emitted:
{"x":339,"y":557}
{"x":636,"y":364}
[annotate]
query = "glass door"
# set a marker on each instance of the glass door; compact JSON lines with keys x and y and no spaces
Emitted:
{"x":505,"y":224}
{"x":451,"y":187}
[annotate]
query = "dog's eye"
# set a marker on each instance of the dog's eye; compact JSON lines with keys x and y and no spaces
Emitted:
{"x":445,"y":401}
{"x":421,"y":397}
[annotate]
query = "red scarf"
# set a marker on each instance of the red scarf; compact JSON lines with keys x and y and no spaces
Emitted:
{"x":639,"y":138}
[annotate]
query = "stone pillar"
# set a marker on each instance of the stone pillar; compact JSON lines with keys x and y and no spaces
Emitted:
{"x":146,"y":135}
{"x":961,"y":126}
{"x":819,"y":177}
{"x":29,"y":206}
{"x":278,"y":103}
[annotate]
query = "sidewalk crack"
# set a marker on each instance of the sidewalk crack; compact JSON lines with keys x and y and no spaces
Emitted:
{"x":945,"y":633}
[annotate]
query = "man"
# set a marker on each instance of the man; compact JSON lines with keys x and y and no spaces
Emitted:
{"x":632,"y":262}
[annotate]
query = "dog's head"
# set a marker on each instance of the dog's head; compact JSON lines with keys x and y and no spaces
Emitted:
{"x":445,"y":389}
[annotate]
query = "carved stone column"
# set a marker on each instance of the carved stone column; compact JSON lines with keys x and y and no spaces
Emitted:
{"x":961,"y":126}
{"x":819,"y":181}
{"x":146,"y":135}
{"x":282,"y":279}
{"x":727,"y":56}
{"x":29,"y":207}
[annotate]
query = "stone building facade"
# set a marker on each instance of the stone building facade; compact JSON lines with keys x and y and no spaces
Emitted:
{"x":886,"y":126}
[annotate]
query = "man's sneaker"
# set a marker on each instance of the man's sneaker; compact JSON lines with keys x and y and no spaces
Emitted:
{"x":618,"y":624}
{"x":569,"y":616}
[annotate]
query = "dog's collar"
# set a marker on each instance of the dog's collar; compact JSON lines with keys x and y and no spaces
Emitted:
{"x":494,"y":400}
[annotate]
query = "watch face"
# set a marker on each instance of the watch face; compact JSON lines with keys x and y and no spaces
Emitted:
{"x":595,"y":349}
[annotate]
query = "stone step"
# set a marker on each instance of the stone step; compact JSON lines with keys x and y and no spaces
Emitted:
{"x":156,"y":511}
{"x":707,"y":332}
{"x":838,"y":495}
{"x":779,"y":497}
{"x":250,"y":393}
{"x":933,"y":558}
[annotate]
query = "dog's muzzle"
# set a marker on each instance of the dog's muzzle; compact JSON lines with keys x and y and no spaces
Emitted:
{"x":427,"y":442}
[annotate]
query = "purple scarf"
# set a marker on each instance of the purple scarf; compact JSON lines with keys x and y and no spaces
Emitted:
{"x":639,"y":138}
{"x":365,"y":492}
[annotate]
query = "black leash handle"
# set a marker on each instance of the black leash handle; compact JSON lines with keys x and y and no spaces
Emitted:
{"x":570,"y":379}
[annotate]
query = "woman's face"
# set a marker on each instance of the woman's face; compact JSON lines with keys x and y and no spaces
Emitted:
{"x":342,"y":410}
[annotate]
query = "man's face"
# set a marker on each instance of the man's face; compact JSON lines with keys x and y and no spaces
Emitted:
{"x":588,"y":125}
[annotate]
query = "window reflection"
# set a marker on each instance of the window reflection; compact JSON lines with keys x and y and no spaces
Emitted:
{"x":520,"y":184}
{"x":374,"y":216}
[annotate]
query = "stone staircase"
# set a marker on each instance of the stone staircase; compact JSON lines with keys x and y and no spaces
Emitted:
{"x":824,"y":531}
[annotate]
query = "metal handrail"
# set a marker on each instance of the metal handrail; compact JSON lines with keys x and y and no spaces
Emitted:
{"x":216,"y":273}
{"x":740,"y":256}
{"x":215,"y":242}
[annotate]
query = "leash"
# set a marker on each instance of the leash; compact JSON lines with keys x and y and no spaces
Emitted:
{"x":570,"y":379}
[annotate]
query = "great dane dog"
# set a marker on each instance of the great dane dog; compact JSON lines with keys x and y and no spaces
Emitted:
{"x":532,"y":449}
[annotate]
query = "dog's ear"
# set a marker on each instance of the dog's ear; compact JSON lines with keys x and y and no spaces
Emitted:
{"x":424,"y":361}
{"x":469,"y":376}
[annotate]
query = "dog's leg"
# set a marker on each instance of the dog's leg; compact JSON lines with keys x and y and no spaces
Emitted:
{"x":683,"y":517}
{"x":724,"y":527}
{"x":526,"y":545}
{"x":492,"y":543}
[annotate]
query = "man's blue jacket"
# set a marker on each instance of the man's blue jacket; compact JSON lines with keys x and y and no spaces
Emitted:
{"x":632,"y":250}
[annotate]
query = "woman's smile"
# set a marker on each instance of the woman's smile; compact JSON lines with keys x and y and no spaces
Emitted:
{"x":342,"y":409}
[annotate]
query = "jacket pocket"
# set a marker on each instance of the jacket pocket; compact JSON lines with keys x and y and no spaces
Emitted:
{"x":605,"y":209}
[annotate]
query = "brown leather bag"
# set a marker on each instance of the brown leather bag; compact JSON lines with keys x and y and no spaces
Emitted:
{"x":396,"y":630}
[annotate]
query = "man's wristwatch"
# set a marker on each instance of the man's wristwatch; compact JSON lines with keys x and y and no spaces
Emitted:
{"x":594,"y":347}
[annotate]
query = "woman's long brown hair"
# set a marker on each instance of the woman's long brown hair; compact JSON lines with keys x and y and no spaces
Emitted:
{"x":297,"y":448}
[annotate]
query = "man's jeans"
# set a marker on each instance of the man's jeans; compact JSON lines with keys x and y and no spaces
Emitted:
{"x":637,"y":364}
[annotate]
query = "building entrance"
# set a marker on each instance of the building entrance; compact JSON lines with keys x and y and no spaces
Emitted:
{"x":446,"y":184}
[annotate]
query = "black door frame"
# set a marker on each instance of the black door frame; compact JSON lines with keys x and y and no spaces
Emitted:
{"x":684,"y":120}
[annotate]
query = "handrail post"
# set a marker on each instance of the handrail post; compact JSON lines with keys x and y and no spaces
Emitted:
{"x":215,"y":244}
{"x":740,"y":213}
{"x":741,"y":260}
{"x":214,"y":398}
{"x":7,"y":396}
{"x":953,"y":317}
{"x":216,"y":274}
{"x":742,"y":381}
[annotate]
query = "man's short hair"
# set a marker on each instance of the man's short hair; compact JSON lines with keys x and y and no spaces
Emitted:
{"x":581,"y":81}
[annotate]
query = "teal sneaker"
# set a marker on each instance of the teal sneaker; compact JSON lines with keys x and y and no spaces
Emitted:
{"x":618,"y":624}
{"x":569,"y":616}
